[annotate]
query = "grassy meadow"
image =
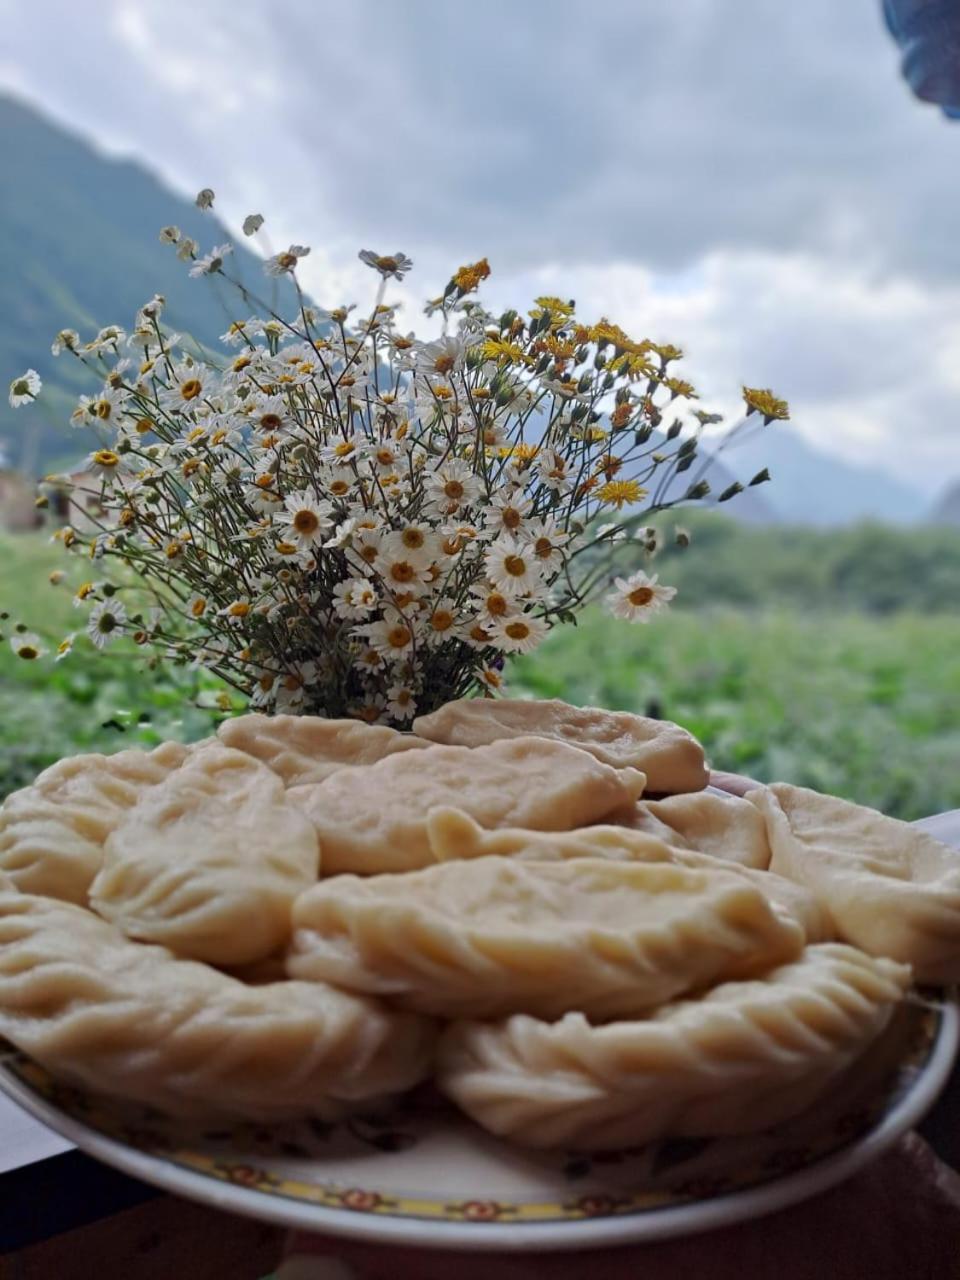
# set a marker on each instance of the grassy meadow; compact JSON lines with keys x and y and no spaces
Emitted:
{"x":864,"y":704}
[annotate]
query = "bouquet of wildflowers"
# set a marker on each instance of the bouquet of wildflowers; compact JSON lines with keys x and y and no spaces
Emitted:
{"x":340,"y":519}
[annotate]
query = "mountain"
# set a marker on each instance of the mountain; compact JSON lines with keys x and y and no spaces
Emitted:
{"x":947,"y":510}
{"x":79,"y":249}
{"x":815,"y":488}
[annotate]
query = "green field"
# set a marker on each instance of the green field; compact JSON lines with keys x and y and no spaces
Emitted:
{"x":864,"y":705}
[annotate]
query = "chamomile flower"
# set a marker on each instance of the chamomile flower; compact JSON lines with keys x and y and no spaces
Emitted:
{"x":306,"y":518}
{"x":252,"y":223}
{"x":554,"y":470}
{"x":104,"y":463}
{"x":415,"y":542}
{"x":491,"y":600}
{"x":66,"y":340}
{"x":27,"y":646}
{"x":453,"y":486}
{"x":513,"y":568}
{"x":211,"y":262}
{"x":441,"y":359}
{"x":354,"y":598}
{"x":65,"y":647}
{"x":639,"y":597}
{"x":508,"y":510}
{"x":401,"y":571}
{"x":491,"y":679}
{"x":546,"y":540}
{"x":519,"y":633}
{"x":283,"y":262}
{"x":105,"y":622}
{"x":395,"y":265}
{"x":441,"y":620}
{"x":392,"y":637}
{"x":25,"y":388}
{"x":401,"y":703}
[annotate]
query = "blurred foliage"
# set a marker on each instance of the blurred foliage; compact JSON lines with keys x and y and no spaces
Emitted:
{"x":863,"y":707}
{"x":863,"y":704}
{"x":89,"y":701}
{"x":871,"y":567}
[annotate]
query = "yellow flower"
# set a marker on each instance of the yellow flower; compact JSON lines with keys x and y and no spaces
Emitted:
{"x":505,"y":352}
{"x":468,"y":277}
{"x":678,"y":387}
{"x":765,"y":402}
{"x":556,"y":307}
{"x":667,"y":352}
{"x":617,"y":493}
{"x":522,"y":452}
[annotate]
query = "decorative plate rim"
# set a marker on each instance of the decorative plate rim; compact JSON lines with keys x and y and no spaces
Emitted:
{"x":583,"y":1233}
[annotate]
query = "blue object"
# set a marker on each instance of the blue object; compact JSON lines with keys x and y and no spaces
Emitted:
{"x":928,"y":33}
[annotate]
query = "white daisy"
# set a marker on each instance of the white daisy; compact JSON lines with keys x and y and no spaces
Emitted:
{"x":452,"y":486}
{"x":513,"y":568}
{"x":25,"y":388}
{"x":392,"y":264}
{"x":638,"y":597}
{"x":441,"y":358}
{"x":415,"y":542}
{"x":106,"y":622}
{"x":354,"y":598}
{"x":105,"y":463}
{"x":252,"y":223}
{"x":65,"y":647}
{"x":441,"y":620}
{"x":281,"y":262}
{"x":546,"y":540}
{"x":402,"y":572}
{"x":306,"y":517}
{"x":518,"y":633}
{"x":401,"y":704}
{"x":369,"y":659}
{"x":66,"y":340}
{"x":491,"y":600}
{"x":211,"y":262}
{"x":554,"y":470}
{"x":508,"y":510}
{"x":28,"y":646}
{"x":391,"y":637}
{"x":491,"y":679}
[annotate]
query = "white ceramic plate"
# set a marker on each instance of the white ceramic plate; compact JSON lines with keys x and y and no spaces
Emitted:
{"x":425,"y":1176}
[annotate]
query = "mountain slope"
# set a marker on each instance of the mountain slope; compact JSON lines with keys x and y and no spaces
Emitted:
{"x":816,"y":488}
{"x":79,"y":249}
{"x":947,"y":510}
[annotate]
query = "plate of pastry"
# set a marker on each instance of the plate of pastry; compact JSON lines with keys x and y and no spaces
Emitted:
{"x":517,"y":979}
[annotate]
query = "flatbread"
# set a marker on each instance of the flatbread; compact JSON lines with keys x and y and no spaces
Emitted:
{"x":130,"y":1020}
{"x":671,"y":758}
{"x":887,"y":886}
{"x":493,"y":935}
{"x":453,"y":836}
{"x":374,"y":819}
{"x":726,"y":827}
{"x":742,"y":1057}
{"x":305,"y":749}
{"x":52,"y":833}
{"x":208,"y":863}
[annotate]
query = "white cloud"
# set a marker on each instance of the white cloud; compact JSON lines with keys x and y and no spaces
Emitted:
{"x":752,"y":180}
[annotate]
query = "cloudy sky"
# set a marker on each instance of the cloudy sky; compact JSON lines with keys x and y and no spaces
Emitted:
{"x":751,"y":180}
